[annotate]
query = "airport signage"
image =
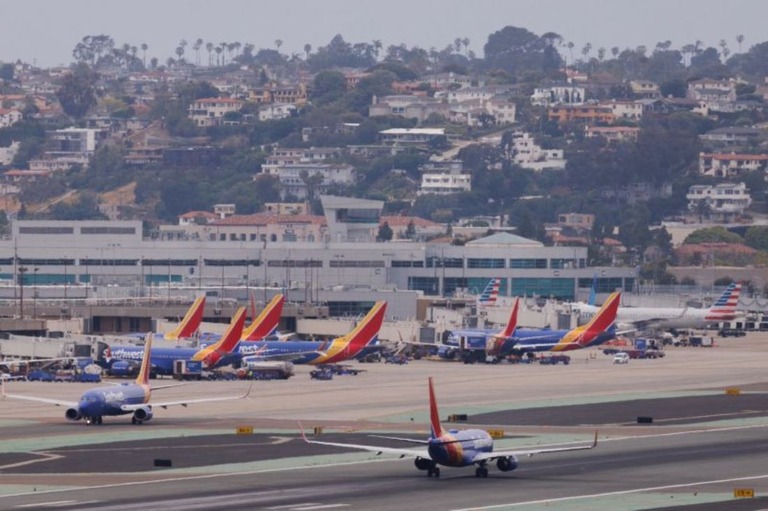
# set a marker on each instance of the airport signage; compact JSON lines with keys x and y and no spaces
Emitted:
{"x":743,"y":493}
{"x":496,"y":433}
{"x":244,"y":430}
{"x":733,"y":391}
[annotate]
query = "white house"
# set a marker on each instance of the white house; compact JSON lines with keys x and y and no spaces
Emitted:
{"x":207,"y":112}
{"x":725,"y":200}
{"x":275,"y":111}
{"x":730,"y":164}
{"x":560,"y":94}
{"x":528,"y":154}
{"x":9,"y":117}
{"x":293,"y":177}
{"x":444,"y":177}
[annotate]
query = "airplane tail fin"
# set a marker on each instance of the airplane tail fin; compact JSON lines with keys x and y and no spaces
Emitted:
{"x":606,"y":316}
{"x":211,"y":354}
{"x":512,"y":323}
{"x":491,"y":293}
{"x":593,"y":291}
{"x":725,"y":306}
{"x":434,"y":414}
{"x":143,"y":377}
{"x":265,"y":323}
{"x":366,"y":331}
{"x":191,"y":321}
{"x":495,"y":343}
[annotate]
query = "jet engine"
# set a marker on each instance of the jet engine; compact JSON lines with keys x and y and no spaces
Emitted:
{"x":73,"y":414}
{"x":507,"y":464}
{"x":143,"y":414}
{"x":423,"y":463}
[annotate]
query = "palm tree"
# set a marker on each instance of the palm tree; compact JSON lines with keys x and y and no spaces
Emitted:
{"x":198,"y":44}
{"x":740,"y":39}
{"x":307,"y":50}
{"x":209,"y":48}
{"x":601,"y":53}
{"x":466,"y":45}
{"x":570,"y":46}
{"x":219,"y":49}
{"x":724,"y":49}
{"x":615,"y":51}
{"x":278,"y":44}
{"x":585,"y":51}
{"x":377,"y":46}
{"x":457,"y":43}
{"x":180,"y":52}
{"x":144,"y":48}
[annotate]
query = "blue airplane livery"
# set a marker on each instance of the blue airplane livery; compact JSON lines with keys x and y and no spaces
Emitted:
{"x":474,"y":344}
{"x":121,"y":399}
{"x":453,"y":448}
{"x":123,"y":360}
{"x":346,"y":347}
{"x":601,"y":328}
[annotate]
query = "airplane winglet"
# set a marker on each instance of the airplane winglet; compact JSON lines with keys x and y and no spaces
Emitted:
{"x":594,"y":444}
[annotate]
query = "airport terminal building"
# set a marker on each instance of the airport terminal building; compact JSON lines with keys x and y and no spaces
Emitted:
{"x":83,"y":255}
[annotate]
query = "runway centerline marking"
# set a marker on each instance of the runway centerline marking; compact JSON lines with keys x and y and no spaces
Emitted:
{"x":616,"y":493}
{"x":291,"y":506}
{"x":323,"y":506}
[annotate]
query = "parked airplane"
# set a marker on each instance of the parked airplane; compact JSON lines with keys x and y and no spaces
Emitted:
{"x":601,"y":328}
{"x":490,"y":294}
{"x":125,"y":359}
{"x":126,"y":398}
{"x":190,"y":323}
{"x":724,"y":309}
{"x":474,"y":344}
{"x":265,"y":324}
{"x":454,"y":448}
{"x":346,"y":347}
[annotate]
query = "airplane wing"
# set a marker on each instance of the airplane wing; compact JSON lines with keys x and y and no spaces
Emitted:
{"x":184,"y":402}
{"x":283,"y":356}
{"x":57,"y":402}
{"x":488,"y":456}
{"x":403,"y":453}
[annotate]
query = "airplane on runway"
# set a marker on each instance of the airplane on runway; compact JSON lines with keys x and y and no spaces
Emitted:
{"x":127,"y":398}
{"x":453,"y":448}
{"x":601,"y":328}
{"x":346,"y":347}
{"x":123,"y":360}
{"x":724,"y":309}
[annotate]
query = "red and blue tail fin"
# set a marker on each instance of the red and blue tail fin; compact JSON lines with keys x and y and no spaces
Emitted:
{"x":724,"y":309}
{"x":143,"y":377}
{"x":606,"y":316}
{"x":434,"y":414}
{"x":350,"y":345}
{"x":211,"y":354}
{"x":190,"y":323}
{"x":495,"y":343}
{"x":266,"y":323}
{"x":512,"y":323}
{"x":490,"y":294}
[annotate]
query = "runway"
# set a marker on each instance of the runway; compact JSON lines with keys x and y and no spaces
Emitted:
{"x":701,"y":446}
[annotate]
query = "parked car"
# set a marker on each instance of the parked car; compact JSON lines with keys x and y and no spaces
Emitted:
{"x":621,"y":358}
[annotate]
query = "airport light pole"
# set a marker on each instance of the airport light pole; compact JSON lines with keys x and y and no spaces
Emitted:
{"x":34,"y":294}
{"x":22,"y":270}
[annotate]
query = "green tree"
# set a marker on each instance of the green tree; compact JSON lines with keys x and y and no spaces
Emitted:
{"x":328,"y":87}
{"x":385,"y":232}
{"x":77,"y":92}
{"x":757,"y":237}
{"x":410,"y":231}
{"x":712,"y":234}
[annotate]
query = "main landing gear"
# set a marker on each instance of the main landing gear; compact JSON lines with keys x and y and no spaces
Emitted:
{"x":481,"y":472}
{"x":93,"y":420}
{"x":434,"y":471}
{"x":136,"y":421}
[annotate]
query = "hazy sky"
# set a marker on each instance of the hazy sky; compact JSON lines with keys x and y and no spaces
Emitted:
{"x":46,"y":31}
